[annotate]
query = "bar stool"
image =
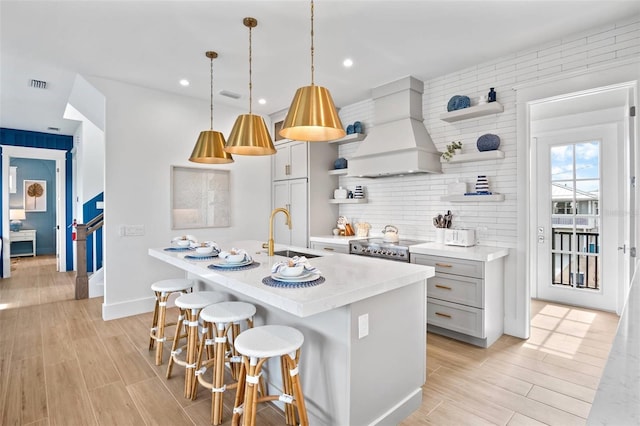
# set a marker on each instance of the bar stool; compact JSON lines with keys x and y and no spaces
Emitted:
{"x":226,"y":317}
{"x":257,"y":345}
{"x":163,"y":289}
{"x":190,"y":306}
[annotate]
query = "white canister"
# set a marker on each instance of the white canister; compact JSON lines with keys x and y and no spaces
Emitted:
{"x":440,"y":235}
{"x":340,"y":193}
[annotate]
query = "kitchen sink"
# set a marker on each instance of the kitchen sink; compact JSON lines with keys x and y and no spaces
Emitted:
{"x":291,"y":253}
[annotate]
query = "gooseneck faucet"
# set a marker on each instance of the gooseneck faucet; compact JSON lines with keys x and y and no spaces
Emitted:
{"x":270,"y":244}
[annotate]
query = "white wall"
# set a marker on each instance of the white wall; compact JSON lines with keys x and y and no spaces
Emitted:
{"x":411,"y":202}
{"x":147,"y":132}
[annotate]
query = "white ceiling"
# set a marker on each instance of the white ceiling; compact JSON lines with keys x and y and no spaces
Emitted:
{"x":156,"y":43}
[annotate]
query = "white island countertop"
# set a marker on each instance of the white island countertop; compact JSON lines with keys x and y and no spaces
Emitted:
{"x":480,"y":253}
{"x":348,"y":278}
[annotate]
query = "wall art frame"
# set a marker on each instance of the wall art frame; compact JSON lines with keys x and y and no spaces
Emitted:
{"x":35,"y":195}
{"x":200,"y":198}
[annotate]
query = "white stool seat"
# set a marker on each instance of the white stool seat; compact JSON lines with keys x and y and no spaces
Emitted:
{"x":172,"y":285}
{"x":226,"y":312}
{"x":198,"y":299}
{"x":269,"y":341}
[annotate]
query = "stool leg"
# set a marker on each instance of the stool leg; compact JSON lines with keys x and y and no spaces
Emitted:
{"x":162,"y":310}
{"x":297,"y":388}
{"x":176,"y":341}
{"x":201,"y":348}
{"x":238,"y":405}
{"x":218,"y":375}
{"x":192,"y":337}
{"x":154,"y":324}
{"x":289,"y":413}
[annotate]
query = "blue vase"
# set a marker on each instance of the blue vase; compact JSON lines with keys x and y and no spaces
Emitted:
{"x":350,"y":129}
{"x":340,"y":163}
{"x":488,"y":142}
{"x":357,"y":127}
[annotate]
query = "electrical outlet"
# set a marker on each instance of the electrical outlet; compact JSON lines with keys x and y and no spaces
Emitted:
{"x":363,"y":326}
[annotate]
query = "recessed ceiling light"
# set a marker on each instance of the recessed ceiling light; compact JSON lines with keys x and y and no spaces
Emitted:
{"x":347,"y":63}
{"x":184,"y":82}
{"x":262,"y":101}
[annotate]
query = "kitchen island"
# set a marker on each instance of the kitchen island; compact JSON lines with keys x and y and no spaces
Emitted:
{"x":364,"y":355}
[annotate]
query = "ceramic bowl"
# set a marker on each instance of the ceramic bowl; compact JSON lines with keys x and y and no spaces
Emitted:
{"x":204,"y":249}
{"x":234,"y":258}
{"x":183,"y":243}
{"x":291,"y":271}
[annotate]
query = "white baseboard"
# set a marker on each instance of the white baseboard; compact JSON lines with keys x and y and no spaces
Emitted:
{"x":128,"y":308}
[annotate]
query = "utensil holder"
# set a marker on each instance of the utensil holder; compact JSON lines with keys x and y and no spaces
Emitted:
{"x":440,"y":235}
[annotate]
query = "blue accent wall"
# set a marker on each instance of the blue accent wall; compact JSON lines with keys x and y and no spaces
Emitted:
{"x":30,"y":139}
{"x":43,"y":222}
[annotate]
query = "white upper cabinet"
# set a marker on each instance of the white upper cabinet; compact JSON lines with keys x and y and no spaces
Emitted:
{"x":290,"y":162}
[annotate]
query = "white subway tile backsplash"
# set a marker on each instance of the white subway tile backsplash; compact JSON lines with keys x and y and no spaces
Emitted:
{"x":411,"y":202}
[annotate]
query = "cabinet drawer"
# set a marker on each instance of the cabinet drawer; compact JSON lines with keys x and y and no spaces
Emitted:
{"x":460,"y":318}
{"x":456,"y":289}
{"x":332,"y":248}
{"x":22,"y":236}
{"x":450,"y":265}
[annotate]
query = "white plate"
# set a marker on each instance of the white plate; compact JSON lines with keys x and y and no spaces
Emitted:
{"x":196,"y":254}
{"x":303,"y":278}
{"x":224,"y":264}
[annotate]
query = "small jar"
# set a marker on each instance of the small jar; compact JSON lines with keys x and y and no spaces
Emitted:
{"x":340,"y":193}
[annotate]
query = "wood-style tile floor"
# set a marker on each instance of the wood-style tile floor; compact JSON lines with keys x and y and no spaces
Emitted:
{"x":60,"y":364}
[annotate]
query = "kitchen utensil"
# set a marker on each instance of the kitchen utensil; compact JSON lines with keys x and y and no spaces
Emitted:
{"x":390,"y":234}
{"x":348,"y":230}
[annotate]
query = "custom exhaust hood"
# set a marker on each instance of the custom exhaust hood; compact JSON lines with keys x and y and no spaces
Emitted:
{"x":399,"y":143}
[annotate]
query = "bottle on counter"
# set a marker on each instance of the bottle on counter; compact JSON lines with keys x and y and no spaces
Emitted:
{"x":340,"y":193}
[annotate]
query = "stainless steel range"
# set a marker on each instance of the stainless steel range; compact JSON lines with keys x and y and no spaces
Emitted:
{"x":377,"y":247}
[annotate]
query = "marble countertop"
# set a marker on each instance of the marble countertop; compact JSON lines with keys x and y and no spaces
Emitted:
{"x":481,"y":253}
{"x":617,"y":400}
{"x":348,"y":278}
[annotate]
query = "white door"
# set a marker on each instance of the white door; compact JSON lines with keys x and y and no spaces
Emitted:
{"x":579,"y":219}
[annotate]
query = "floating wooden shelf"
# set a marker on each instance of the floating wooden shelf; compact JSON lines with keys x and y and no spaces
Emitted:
{"x":348,"y":200}
{"x":472,"y":112}
{"x":472,"y":198}
{"x":353,"y":137}
{"x":475,"y":156}
{"x":339,"y":172}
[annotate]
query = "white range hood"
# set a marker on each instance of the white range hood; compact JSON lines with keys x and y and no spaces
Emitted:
{"x":398,"y":143}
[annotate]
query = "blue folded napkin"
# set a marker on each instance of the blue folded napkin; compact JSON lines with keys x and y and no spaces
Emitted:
{"x":297,"y":261}
{"x":224,"y":254}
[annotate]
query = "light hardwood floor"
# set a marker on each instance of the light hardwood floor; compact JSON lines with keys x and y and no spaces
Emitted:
{"x":60,"y":364}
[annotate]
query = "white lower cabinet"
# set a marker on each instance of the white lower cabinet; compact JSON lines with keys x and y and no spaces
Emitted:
{"x":333,"y":248}
{"x":465,"y":298}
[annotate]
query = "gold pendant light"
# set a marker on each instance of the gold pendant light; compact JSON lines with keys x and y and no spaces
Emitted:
{"x":209,"y":148}
{"x":312,"y":116}
{"x":249,"y":135}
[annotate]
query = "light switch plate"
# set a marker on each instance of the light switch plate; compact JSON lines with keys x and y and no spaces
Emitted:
{"x":363,"y":326}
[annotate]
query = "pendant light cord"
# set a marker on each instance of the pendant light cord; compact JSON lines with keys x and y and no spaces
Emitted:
{"x":250,"y":79}
{"x":312,"y":48}
{"x":211,"y":103}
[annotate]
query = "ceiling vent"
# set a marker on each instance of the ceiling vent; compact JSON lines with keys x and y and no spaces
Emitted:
{"x":229,"y":94}
{"x":38,"y":84}
{"x":55,"y":129}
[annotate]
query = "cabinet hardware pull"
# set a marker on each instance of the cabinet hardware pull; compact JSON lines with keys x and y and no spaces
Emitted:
{"x":287,"y":169}
{"x":444,"y":287}
{"x":443,"y":315}
{"x":328,"y":248}
{"x":444,"y":265}
{"x":288,"y":207}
